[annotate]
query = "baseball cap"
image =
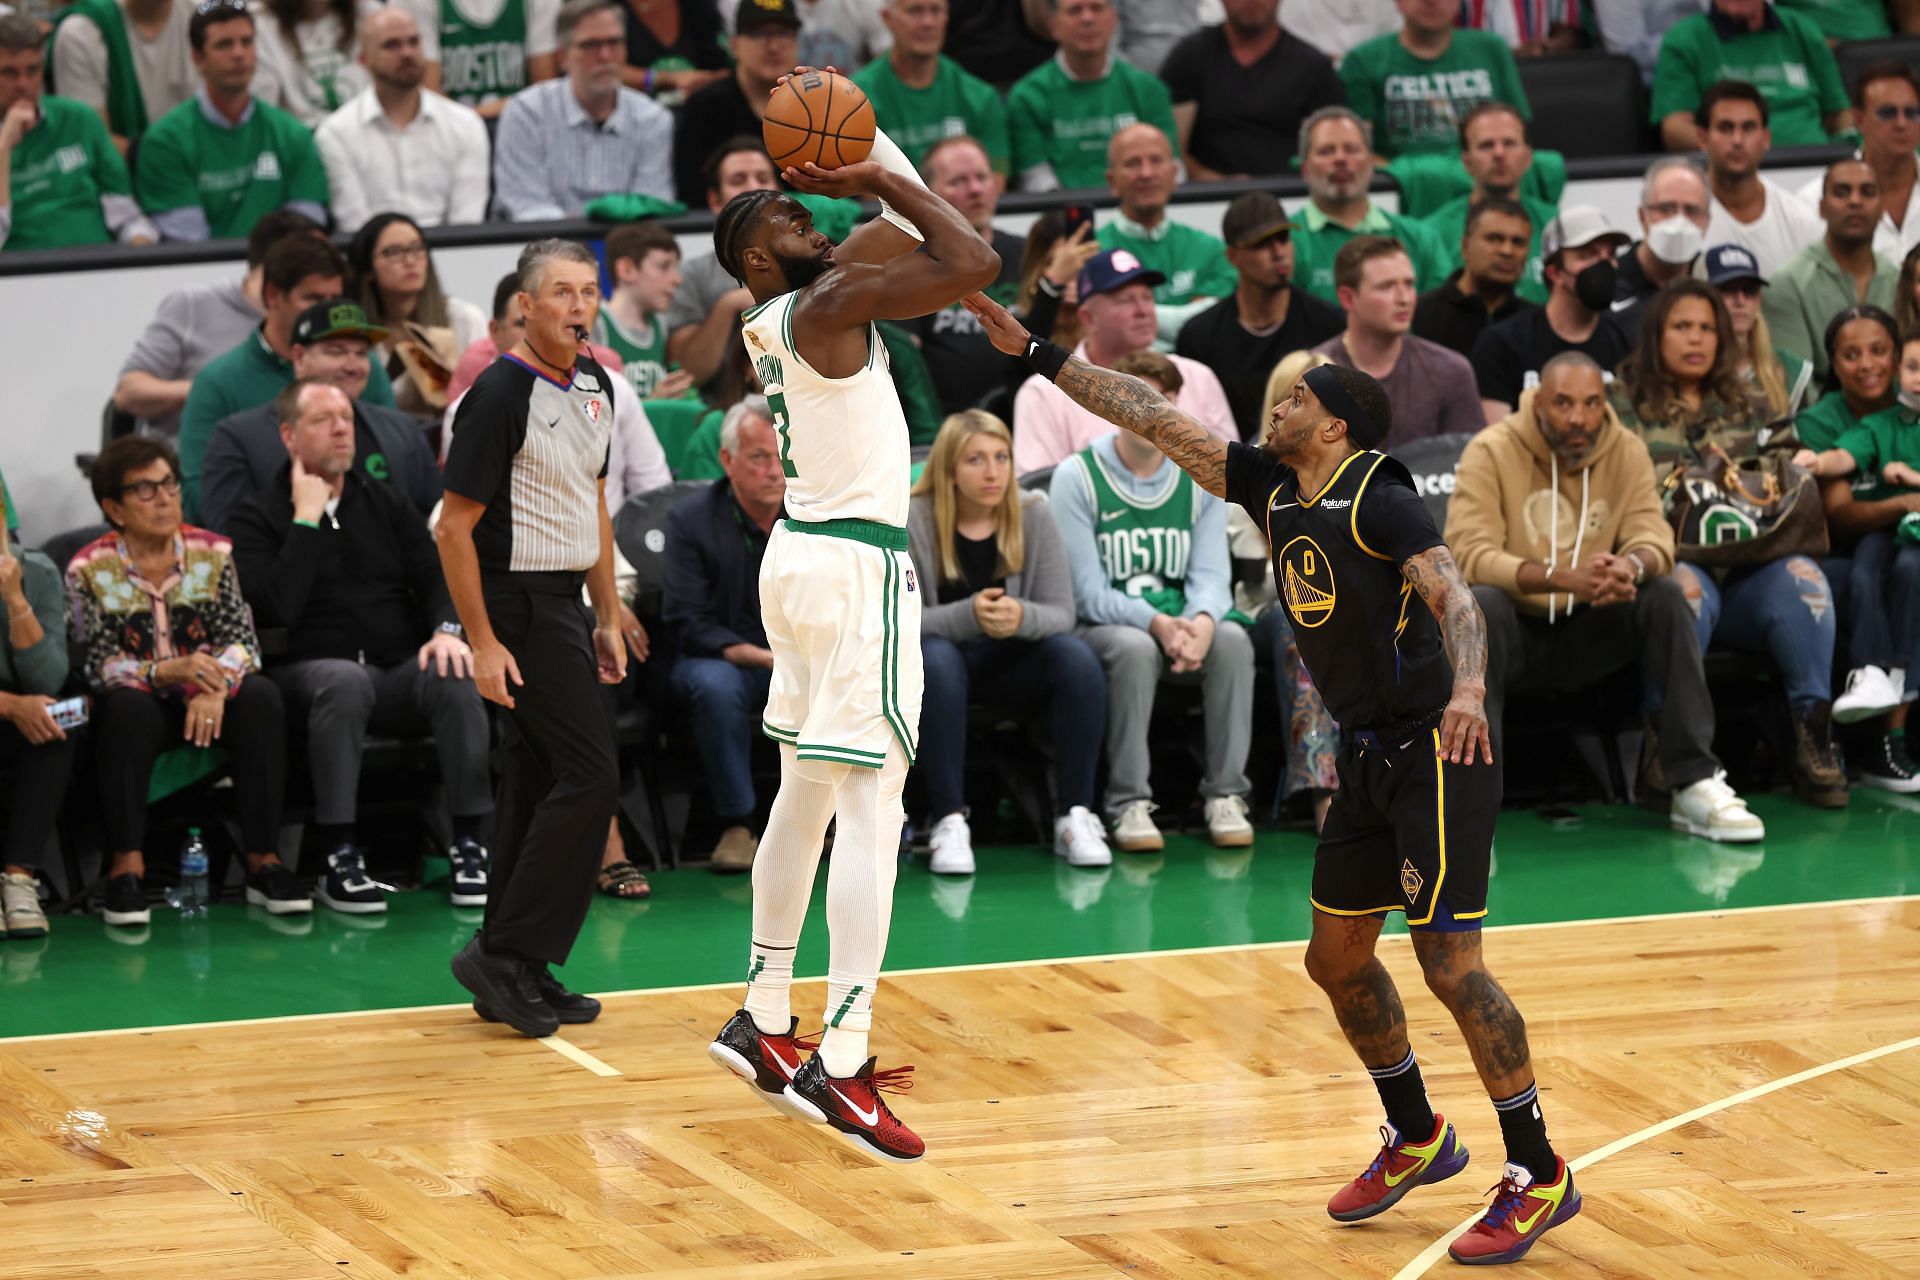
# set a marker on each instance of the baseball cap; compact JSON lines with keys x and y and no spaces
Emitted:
{"x":332,"y":319}
{"x":1578,"y":226}
{"x":1113,"y":268}
{"x":1253,"y":217}
{"x":752,"y":15}
{"x":1729,"y":262}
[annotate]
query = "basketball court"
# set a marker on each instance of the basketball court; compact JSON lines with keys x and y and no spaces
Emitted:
{"x":1121,"y":1073}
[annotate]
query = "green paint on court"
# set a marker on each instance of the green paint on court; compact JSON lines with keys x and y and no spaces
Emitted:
{"x":1022,"y":905}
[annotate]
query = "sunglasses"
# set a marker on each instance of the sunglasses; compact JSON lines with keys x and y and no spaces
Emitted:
{"x":1890,"y":113}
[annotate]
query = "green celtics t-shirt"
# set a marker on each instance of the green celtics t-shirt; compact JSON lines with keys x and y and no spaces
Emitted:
{"x":955,"y":103}
{"x":645,"y":354}
{"x":1145,"y":547}
{"x":479,"y":64}
{"x":1194,"y":263}
{"x":1317,"y":238}
{"x":1787,"y":60}
{"x":1056,"y":120}
{"x":60,"y":170}
{"x":1417,"y":104}
{"x":1843,"y":19}
{"x":1448,"y":224}
{"x":236,"y":175}
{"x":1891,"y":435}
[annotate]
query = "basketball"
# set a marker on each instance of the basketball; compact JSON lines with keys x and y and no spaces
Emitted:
{"x":820,"y":116}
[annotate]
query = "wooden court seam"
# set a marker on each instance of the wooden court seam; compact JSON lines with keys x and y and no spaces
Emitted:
{"x":579,"y":1055}
{"x":1438,"y":1249}
{"x":1170,"y":952}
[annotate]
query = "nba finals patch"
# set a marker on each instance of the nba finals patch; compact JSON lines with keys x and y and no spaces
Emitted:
{"x":1410,"y":881}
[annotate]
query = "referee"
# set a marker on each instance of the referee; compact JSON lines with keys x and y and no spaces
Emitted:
{"x":524,"y":523}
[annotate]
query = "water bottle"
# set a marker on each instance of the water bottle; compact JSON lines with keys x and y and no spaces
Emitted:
{"x":193,"y":875}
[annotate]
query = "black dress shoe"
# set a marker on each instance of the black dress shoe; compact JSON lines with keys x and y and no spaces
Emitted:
{"x":570,"y":1007}
{"x":504,"y":984}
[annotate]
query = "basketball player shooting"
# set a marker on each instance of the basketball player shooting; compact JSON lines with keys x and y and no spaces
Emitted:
{"x":842,"y":612}
{"x":1411,"y":827}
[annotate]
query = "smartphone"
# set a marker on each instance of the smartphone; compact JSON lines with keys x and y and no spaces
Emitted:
{"x":1560,"y":819}
{"x":1076,"y":216}
{"x":70,"y":714}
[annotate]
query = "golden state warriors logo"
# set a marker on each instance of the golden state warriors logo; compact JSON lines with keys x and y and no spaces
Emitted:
{"x":1306,"y":582}
{"x":1410,"y":880}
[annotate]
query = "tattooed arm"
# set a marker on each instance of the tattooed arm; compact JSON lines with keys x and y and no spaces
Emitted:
{"x":1122,"y":400}
{"x":1464,"y":631}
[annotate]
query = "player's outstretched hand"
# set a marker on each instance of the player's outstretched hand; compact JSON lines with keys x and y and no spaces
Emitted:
{"x":1006,"y":333}
{"x":853,"y":180}
{"x":1464,"y":729}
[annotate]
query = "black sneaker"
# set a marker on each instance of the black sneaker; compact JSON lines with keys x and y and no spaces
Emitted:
{"x":768,"y":1063}
{"x":1885,"y":766}
{"x":468,"y":887}
{"x":504,"y":984}
{"x":347,"y":887}
{"x":570,"y":1007}
{"x":275,"y":887}
{"x":125,"y":901}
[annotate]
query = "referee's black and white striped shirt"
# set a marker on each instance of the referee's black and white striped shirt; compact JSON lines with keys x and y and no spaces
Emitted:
{"x":532,"y":450}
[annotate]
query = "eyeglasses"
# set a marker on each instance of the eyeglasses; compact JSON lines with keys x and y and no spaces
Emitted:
{"x":148,"y":490}
{"x":1889,"y":113}
{"x":611,"y":44}
{"x":1668,"y":208}
{"x":403,"y":252}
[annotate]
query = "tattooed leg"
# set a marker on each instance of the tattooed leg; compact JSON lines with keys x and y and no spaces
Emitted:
{"x":1341,"y":961}
{"x":1496,"y":1034}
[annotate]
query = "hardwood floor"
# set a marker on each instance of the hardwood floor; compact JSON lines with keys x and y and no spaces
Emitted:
{"x":1160,"y":1116}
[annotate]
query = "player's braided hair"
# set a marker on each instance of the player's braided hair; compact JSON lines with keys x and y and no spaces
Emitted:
{"x":735,"y":223}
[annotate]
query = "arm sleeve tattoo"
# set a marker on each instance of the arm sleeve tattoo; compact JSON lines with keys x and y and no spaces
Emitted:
{"x":1462,"y":628}
{"x":1132,"y":404}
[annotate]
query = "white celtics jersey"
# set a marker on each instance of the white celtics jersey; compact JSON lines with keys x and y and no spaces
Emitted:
{"x":843,"y":441}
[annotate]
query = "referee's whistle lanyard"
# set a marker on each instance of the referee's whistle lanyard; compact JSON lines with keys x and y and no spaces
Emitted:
{"x":562,"y":370}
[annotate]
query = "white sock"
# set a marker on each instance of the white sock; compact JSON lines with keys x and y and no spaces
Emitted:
{"x":783,"y":871}
{"x":866,"y":856}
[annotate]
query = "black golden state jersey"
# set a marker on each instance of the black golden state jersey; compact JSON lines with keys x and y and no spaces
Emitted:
{"x":1370,"y":643}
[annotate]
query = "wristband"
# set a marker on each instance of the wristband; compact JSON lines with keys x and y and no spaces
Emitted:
{"x":1048,"y":287}
{"x":1045,"y":358}
{"x":646,"y":81}
{"x":311,"y":524}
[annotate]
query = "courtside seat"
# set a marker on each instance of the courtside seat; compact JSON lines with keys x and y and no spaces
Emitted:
{"x":1855,"y":56}
{"x":1587,"y":104}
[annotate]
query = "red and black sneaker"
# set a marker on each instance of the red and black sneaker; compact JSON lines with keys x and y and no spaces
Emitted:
{"x":854,"y":1107}
{"x":1401,"y":1166}
{"x":768,"y":1063}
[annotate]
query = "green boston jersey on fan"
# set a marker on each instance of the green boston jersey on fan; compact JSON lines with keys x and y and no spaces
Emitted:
{"x":1891,"y":435}
{"x":1843,"y":19}
{"x":1417,"y":104}
{"x":1144,"y":546}
{"x":955,"y":103}
{"x":1194,"y":263}
{"x":644,"y":354}
{"x":1056,"y":120}
{"x":60,"y":170}
{"x":1448,"y":224}
{"x":482,"y":63}
{"x":1317,"y":238}
{"x":237,"y":175}
{"x":1787,"y":60}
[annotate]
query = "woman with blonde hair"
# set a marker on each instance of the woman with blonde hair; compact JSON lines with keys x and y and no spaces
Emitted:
{"x":1313,"y":740}
{"x":1778,"y":379}
{"x":996,"y":626}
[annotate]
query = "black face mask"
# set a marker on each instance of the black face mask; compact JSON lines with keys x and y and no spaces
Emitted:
{"x":1594,"y":286}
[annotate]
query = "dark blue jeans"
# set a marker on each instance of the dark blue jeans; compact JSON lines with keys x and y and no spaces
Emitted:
{"x":1882,"y":600}
{"x":1782,"y":608}
{"x":1059,"y":672}
{"x":725,"y":703}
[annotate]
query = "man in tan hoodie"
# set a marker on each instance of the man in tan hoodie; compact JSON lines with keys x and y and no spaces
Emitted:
{"x":1556,"y":522}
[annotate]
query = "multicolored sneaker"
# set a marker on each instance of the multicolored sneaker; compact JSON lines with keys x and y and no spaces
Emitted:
{"x":1522,"y":1212}
{"x":1399,"y":1168}
{"x":768,"y":1063}
{"x":854,"y":1107}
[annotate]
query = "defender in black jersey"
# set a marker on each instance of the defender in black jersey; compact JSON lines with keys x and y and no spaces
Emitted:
{"x":1411,"y":828}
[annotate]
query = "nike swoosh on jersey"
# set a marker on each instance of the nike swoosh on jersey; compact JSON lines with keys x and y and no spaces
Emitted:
{"x":1110,"y":515}
{"x":866,"y":1117}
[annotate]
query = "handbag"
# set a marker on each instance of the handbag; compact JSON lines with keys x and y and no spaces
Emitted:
{"x":1728,"y":513}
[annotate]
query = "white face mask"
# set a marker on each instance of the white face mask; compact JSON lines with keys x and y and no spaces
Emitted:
{"x":1675,"y":241}
{"x":1909,"y":400}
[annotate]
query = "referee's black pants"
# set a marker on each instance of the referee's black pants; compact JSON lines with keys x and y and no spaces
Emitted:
{"x":560,"y":779}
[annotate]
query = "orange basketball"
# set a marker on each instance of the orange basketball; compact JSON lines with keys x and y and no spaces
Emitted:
{"x":820,"y":116}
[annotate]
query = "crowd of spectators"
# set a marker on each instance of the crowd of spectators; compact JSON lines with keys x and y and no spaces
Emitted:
{"x":1602,"y":373}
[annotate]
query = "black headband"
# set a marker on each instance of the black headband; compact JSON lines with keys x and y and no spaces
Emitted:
{"x":1325,"y":384}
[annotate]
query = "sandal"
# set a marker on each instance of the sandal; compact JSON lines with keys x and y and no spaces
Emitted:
{"x":623,"y":880}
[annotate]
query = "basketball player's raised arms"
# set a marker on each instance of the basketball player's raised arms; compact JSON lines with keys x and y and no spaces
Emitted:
{"x":1121,"y":399}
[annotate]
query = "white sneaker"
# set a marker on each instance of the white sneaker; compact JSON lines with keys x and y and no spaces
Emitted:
{"x":1133,"y":830}
{"x":952,"y":847}
{"x":1709,"y":808}
{"x":1870,"y":692}
{"x":1227,"y":824}
{"x":1080,"y":839}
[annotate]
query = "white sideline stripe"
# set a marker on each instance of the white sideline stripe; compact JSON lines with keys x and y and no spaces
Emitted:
{"x":1438,"y":1249}
{"x":1708,"y":913}
{"x":579,"y":1055}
